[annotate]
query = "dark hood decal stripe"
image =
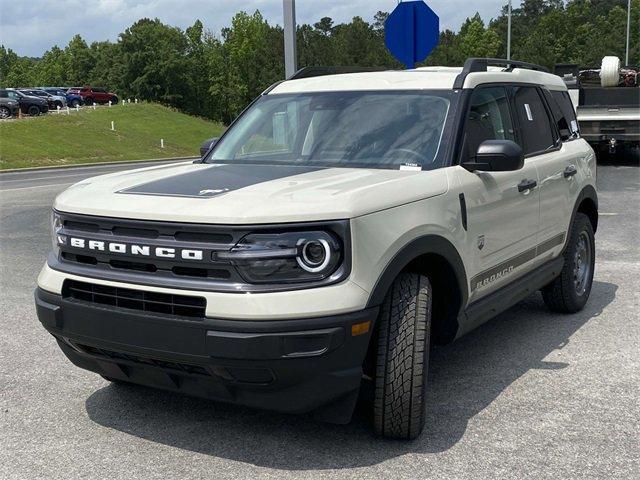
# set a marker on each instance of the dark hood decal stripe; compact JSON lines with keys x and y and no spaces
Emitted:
{"x":214,"y":180}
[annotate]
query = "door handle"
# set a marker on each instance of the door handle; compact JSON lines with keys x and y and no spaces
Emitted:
{"x":570,"y":171}
{"x":526,"y":185}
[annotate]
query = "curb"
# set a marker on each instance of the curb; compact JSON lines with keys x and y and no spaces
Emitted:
{"x":94,"y":164}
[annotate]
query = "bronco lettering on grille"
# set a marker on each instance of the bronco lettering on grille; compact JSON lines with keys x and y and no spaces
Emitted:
{"x":133,"y":249}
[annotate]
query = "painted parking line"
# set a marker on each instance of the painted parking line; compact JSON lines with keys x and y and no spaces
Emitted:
{"x":42,"y":178}
{"x":37,"y":186}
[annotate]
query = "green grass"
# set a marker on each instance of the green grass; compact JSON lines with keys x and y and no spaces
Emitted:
{"x":86,"y":136}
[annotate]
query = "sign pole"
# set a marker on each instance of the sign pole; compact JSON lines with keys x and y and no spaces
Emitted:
{"x":290,"y":53}
{"x":509,"y":33}
{"x":626,"y":57}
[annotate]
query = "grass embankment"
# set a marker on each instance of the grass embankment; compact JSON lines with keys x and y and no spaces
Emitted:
{"x":86,"y":136}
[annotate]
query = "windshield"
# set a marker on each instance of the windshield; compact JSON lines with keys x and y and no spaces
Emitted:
{"x":339,"y":129}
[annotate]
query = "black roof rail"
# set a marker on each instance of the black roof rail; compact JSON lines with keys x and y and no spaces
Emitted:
{"x":307,"y":72}
{"x":482,"y":64}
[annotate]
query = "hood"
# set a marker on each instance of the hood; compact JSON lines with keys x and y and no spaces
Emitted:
{"x":248,"y":194}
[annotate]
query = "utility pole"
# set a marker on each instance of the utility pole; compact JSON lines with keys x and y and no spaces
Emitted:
{"x":626,"y":57}
{"x":290,"y":52}
{"x":509,"y":33}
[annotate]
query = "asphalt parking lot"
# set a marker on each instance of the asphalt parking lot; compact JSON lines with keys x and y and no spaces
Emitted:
{"x":529,"y":394}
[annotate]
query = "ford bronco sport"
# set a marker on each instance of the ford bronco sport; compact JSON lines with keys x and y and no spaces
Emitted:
{"x":341,"y":225}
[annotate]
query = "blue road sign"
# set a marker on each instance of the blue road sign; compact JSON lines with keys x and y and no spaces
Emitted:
{"x":411,"y":32}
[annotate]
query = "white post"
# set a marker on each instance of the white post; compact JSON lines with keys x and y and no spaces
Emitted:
{"x":58,"y":108}
{"x":67,"y":110}
{"x":626,"y":56}
{"x":109,"y":103}
{"x":136,"y":100}
{"x":162,"y":143}
{"x":94,"y":106}
{"x":77,"y":108}
{"x":509,"y":33}
{"x":290,"y":54}
{"x":113,"y":126}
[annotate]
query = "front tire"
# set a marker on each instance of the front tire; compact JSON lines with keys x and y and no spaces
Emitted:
{"x":403,"y":358}
{"x":5,"y":112}
{"x":569,"y":292}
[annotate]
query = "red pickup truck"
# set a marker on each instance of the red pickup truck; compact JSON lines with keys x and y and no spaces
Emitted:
{"x":92,"y":95}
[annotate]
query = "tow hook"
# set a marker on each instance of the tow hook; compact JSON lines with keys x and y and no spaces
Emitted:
{"x":612,"y":145}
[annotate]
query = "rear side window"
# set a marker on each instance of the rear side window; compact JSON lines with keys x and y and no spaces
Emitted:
{"x":536,"y":133}
{"x":566,"y":107}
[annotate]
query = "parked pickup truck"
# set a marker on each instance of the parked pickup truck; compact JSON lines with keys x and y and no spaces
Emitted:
{"x":608,"y":111}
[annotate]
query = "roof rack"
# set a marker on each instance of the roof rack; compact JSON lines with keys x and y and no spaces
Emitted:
{"x":307,"y":72}
{"x":481,"y":65}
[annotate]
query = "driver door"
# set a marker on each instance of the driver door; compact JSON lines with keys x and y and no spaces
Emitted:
{"x":502,"y":207}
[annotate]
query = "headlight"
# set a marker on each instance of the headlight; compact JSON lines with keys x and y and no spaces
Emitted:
{"x":285,"y":257}
{"x":56,"y":238}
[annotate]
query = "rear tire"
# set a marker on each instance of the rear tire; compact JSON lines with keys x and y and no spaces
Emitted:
{"x":33,"y":110}
{"x":75,"y":103}
{"x":114,"y":100}
{"x":569,"y":292}
{"x":403,"y":358}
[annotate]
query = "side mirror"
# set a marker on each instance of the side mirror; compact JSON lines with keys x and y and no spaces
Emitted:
{"x":207,"y":145}
{"x":497,"y":156}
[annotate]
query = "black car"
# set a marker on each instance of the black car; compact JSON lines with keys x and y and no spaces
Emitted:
{"x":8,"y":107}
{"x":28,"y":104}
{"x":51,"y":102}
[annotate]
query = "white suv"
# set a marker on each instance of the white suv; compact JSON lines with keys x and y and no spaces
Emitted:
{"x":341,"y":225}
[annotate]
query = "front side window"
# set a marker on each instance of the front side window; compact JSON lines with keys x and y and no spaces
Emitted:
{"x":489,"y":118}
{"x":535,"y":128}
{"x":339,"y":129}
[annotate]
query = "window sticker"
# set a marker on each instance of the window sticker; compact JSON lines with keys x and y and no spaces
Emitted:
{"x":528,"y":110}
{"x":574,"y":126}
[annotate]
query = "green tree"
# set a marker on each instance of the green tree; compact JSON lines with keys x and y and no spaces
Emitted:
{"x":476,"y":40}
{"x":155,"y":62}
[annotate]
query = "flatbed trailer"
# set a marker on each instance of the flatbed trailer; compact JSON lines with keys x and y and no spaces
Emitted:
{"x":609,"y":117}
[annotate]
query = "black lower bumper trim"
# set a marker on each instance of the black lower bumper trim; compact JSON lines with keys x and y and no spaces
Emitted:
{"x":286,"y":365}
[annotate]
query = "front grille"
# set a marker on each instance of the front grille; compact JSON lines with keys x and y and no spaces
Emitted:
{"x":153,"y":302}
{"x":169,"y":254}
{"x":204,"y":238}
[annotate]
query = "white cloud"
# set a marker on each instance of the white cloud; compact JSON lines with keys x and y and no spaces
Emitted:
{"x":32,"y":27}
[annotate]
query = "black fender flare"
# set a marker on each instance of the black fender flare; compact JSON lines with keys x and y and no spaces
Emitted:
{"x":427,"y":244}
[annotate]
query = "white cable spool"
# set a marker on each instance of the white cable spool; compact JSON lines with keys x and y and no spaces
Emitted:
{"x":610,"y":72}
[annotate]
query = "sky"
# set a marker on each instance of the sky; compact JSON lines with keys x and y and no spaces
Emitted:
{"x":30,"y":27}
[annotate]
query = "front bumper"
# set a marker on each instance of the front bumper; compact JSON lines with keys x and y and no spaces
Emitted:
{"x":291,"y":366}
